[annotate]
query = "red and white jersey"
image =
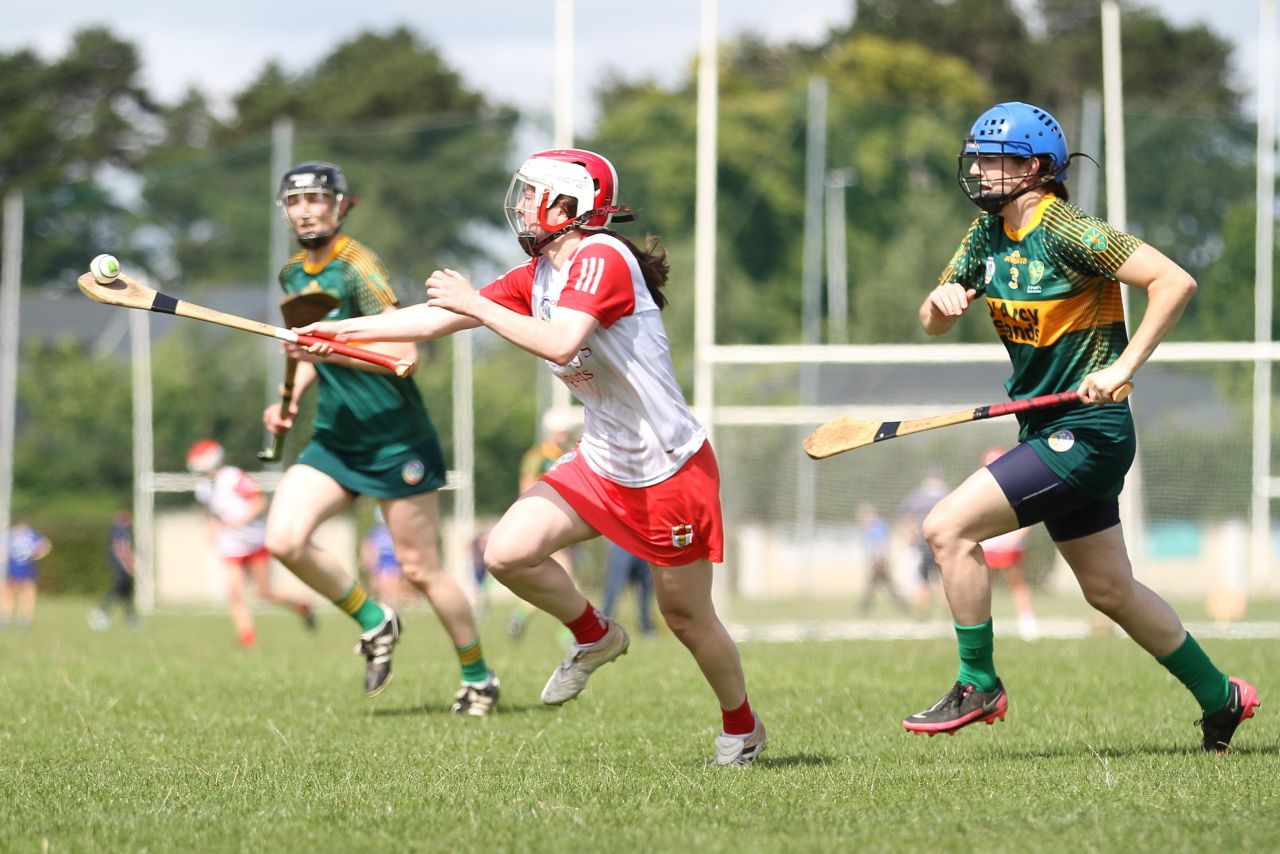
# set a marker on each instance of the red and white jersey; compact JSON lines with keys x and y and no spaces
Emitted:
{"x":228,"y":494}
{"x":637,"y":427}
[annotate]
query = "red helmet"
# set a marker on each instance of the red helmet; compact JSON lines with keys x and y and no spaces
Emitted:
{"x":584,"y":176}
{"x":205,"y":456}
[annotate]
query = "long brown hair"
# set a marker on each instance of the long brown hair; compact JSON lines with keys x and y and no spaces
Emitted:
{"x":653,"y":263}
{"x":652,"y":258}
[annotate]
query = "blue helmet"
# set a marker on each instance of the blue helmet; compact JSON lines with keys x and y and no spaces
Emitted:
{"x":1014,"y":129}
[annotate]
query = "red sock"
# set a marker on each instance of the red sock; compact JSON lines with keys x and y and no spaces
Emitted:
{"x":248,"y":638}
{"x":589,"y":627}
{"x":739,"y":721}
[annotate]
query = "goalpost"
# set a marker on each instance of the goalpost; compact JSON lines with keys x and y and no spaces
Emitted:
{"x":1200,"y":491}
{"x":792,"y":520}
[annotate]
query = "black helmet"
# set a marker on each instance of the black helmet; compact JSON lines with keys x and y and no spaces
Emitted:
{"x":316,"y":176}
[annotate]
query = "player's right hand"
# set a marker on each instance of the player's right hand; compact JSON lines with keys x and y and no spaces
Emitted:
{"x":951,"y":299}
{"x":324,"y":329}
{"x":276,"y":421}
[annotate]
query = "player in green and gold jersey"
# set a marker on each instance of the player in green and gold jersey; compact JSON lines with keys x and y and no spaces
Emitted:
{"x":1050,"y":276}
{"x":373,"y":437}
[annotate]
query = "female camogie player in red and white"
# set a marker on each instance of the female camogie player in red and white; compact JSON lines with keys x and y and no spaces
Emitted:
{"x":236,"y":506}
{"x":589,"y":303}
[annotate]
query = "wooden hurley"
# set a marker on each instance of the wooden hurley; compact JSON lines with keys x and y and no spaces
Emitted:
{"x":297,"y":309}
{"x":130,"y":293}
{"x":846,"y":433}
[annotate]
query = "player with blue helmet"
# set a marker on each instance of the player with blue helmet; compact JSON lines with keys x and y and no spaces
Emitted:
{"x":1050,"y":275}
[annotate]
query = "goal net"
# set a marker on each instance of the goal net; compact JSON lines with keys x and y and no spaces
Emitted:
{"x":793,"y":531}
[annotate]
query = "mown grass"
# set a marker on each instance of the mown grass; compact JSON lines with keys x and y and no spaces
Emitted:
{"x":173,"y":739}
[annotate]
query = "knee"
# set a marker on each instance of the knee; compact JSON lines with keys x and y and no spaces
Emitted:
{"x":503,"y":557}
{"x":684,"y":621}
{"x":420,"y":565}
{"x":1107,"y":595}
{"x":942,"y":532}
{"x":286,"y":544}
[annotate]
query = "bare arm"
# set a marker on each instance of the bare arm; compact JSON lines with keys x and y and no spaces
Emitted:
{"x":557,"y":340}
{"x":1169,"y":288}
{"x":422,"y":322}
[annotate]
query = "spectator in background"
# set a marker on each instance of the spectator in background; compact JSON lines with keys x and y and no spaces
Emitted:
{"x":558,"y":423}
{"x":18,"y":596}
{"x":915,"y":507}
{"x":480,"y":573}
{"x":1008,"y":554}
{"x":875,"y":546}
{"x":120,"y":560}
{"x":378,"y":557}
{"x":623,"y":569}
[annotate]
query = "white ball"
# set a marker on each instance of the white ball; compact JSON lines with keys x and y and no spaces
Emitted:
{"x":105,"y":269}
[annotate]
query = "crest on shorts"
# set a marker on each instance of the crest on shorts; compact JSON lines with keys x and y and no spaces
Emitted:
{"x":681,"y":536}
{"x":1061,"y":441}
{"x":562,"y":459}
{"x":413,"y":472}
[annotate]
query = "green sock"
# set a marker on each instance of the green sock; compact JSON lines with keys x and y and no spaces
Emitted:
{"x":363,"y":610}
{"x":1193,"y":668}
{"x":471,"y":658}
{"x":976,"y":646}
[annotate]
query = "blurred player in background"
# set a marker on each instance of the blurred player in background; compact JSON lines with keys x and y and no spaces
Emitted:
{"x":1007,"y":554}
{"x":558,"y":424}
{"x":643,"y":474}
{"x":623,"y":570}
{"x":120,"y":562}
{"x":876,"y":535}
{"x":378,"y":557}
{"x":1050,"y":277}
{"x":18,"y":595}
{"x":236,"y":506}
{"x":373,"y":437}
{"x":911,"y":515}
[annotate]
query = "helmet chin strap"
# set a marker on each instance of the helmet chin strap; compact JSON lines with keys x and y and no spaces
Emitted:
{"x":993,"y":204}
{"x":533,"y":246}
{"x":315,"y":241}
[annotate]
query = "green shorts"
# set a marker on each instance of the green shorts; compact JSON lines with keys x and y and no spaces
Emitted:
{"x":1090,"y":462}
{"x":412,"y":472}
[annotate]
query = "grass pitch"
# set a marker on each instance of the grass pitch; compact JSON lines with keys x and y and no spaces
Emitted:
{"x":173,"y":739}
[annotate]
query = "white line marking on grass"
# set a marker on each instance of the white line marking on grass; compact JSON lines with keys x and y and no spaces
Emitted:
{"x":1055,"y":629}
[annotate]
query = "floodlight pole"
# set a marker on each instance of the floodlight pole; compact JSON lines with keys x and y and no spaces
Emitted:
{"x":704,"y":221}
{"x":277,"y":253}
{"x":1265,"y":486}
{"x":10,"y":289}
{"x":1118,"y":216}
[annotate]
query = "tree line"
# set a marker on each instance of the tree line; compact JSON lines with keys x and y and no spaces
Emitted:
{"x":185,"y":193}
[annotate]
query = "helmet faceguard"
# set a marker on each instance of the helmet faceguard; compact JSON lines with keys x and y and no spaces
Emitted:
{"x":583,"y":179}
{"x":205,"y":456}
{"x":319,"y":178}
{"x":1012,"y":131}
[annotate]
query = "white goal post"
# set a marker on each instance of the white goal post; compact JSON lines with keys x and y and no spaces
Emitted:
{"x":771,"y":490}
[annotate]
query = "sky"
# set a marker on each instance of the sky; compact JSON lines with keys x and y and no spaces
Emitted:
{"x":504,"y":51}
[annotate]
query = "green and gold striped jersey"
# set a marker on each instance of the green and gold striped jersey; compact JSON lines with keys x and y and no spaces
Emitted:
{"x":363,"y":416}
{"x":1054,"y":301}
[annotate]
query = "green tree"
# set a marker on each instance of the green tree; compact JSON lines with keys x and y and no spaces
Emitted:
{"x":65,"y":127}
{"x":425,"y":155}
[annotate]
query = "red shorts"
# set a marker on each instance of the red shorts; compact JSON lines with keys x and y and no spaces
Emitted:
{"x":1003,"y":559}
{"x":245,"y":560}
{"x":671,"y":523}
